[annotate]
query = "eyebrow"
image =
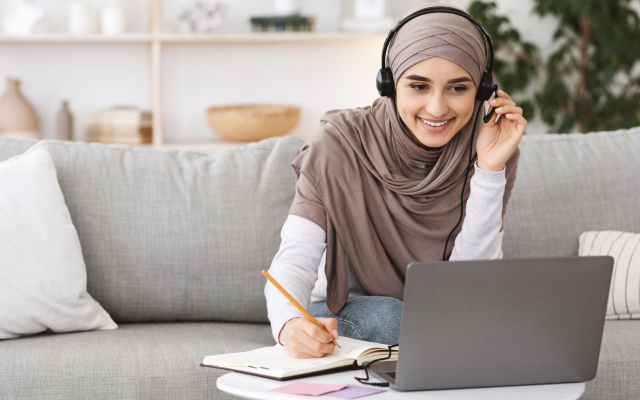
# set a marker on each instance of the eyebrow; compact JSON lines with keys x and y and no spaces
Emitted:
{"x":427,"y":80}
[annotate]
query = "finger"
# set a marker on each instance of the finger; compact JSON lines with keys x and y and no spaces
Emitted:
{"x":517,"y":118}
{"x":331,"y":325}
{"x":516,"y":127}
{"x":509,"y":109}
{"x":302,"y":343}
{"x":503,"y":94}
{"x":300,"y":350}
{"x":316,"y":332}
{"x":314,"y":347}
{"x":294,"y":346}
{"x":499,"y":101}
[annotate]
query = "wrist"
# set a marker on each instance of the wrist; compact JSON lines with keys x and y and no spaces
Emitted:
{"x":486,"y":167}
{"x":285,"y":329}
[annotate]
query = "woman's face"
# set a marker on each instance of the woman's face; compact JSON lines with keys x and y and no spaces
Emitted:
{"x":435,"y":99}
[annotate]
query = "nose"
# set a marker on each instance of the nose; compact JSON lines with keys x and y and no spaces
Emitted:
{"x":437,"y":105}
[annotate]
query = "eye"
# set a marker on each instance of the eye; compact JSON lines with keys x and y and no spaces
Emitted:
{"x":419,"y":87}
{"x":459,"y":89}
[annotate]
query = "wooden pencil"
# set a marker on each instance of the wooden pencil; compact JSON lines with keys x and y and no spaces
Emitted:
{"x":295,"y":303}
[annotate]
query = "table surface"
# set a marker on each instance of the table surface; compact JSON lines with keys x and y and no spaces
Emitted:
{"x":255,"y":387}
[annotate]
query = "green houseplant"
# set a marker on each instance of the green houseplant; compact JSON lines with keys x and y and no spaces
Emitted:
{"x":591,"y":80}
{"x":593,"y":77}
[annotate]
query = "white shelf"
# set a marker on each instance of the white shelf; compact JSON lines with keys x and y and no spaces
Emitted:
{"x":66,"y":38}
{"x":177,"y":38}
{"x":275,"y":37}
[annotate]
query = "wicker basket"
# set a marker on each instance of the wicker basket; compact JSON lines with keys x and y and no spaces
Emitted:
{"x":253,"y":122}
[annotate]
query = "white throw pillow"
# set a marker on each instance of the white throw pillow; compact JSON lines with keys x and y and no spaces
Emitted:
{"x":43,"y":278}
{"x":624,"y":247}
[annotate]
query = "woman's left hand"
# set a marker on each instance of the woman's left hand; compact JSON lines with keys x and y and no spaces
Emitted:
{"x":497,"y":141}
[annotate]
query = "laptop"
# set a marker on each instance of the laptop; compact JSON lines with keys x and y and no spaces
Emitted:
{"x":471,"y":324}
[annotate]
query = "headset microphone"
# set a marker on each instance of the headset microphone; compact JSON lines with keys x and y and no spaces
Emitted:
{"x":488,"y":116}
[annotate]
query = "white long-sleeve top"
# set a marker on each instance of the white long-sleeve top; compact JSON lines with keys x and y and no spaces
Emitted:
{"x":299,"y":264}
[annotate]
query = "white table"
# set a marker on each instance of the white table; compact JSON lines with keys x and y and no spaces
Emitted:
{"x":254,"y":387}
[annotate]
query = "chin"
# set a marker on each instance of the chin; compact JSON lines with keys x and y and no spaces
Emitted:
{"x":434,"y":139}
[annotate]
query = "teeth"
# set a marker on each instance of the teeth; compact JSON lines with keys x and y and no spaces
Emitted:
{"x":434,"y":123}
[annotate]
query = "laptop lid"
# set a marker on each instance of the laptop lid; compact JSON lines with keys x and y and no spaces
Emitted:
{"x":506,"y":322}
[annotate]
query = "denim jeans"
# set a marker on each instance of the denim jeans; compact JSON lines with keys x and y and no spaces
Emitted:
{"x":370,"y":318}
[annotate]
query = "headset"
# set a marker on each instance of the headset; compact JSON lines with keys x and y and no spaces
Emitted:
{"x":386,"y":86}
{"x":384,"y":79}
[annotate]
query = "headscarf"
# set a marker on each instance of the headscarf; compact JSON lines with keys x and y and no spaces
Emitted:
{"x":383,"y":200}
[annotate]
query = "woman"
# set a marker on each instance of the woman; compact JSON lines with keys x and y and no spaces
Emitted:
{"x":380,"y":187}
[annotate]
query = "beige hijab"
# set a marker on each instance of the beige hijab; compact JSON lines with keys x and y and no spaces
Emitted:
{"x":388,"y":202}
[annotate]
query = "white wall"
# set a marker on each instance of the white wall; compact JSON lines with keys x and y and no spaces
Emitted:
{"x":315,"y":76}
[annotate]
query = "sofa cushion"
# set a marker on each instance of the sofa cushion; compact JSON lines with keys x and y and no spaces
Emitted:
{"x":162,"y":361}
{"x":624,"y":247}
{"x":43,"y":279}
{"x":569,"y":184}
{"x":137,"y":361}
{"x":175,"y":235}
{"x":619,"y":365}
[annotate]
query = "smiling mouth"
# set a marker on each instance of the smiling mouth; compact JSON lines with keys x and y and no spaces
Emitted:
{"x":435,"y":124}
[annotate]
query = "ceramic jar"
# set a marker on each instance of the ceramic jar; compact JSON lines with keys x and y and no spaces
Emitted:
{"x":286,"y":7}
{"x":112,"y":18}
{"x":64,"y":123}
{"x":17,"y":116}
{"x":82,"y":18}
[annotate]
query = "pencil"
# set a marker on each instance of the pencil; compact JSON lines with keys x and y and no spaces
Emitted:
{"x":295,"y":303}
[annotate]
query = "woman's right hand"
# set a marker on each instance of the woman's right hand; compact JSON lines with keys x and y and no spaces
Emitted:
{"x":303,"y":339}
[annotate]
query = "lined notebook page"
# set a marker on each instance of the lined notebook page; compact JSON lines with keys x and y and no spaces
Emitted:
{"x":276,"y":358}
{"x":353,"y":348}
{"x":269,"y":358}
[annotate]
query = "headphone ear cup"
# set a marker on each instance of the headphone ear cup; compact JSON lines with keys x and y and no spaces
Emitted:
{"x":384,"y":83}
{"x":486,"y":88}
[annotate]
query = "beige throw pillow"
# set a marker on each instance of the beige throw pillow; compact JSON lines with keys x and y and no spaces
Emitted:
{"x":43,"y":278}
{"x":624,"y":247}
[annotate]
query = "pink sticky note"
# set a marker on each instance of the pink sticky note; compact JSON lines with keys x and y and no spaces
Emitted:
{"x":309,"y":389}
{"x":354,"y":392}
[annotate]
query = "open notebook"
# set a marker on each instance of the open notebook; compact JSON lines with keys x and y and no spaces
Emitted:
{"x":273,"y":362}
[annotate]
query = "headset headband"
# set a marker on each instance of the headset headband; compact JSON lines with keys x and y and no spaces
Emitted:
{"x":430,"y":10}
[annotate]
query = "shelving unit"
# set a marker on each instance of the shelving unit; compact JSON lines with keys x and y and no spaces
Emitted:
{"x":155,"y":39}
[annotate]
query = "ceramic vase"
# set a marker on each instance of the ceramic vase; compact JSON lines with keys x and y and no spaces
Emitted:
{"x":82,"y":18}
{"x":64,"y":123}
{"x":22,"y":18}
{"x":17,"y":116}
{"x":112,"y":18}
{"x":286,"y":7}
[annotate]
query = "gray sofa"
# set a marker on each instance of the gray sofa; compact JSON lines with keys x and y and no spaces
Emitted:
{"x":174,"y":243}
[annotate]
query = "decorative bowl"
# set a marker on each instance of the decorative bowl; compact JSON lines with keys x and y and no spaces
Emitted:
{"x":250,"y":123}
